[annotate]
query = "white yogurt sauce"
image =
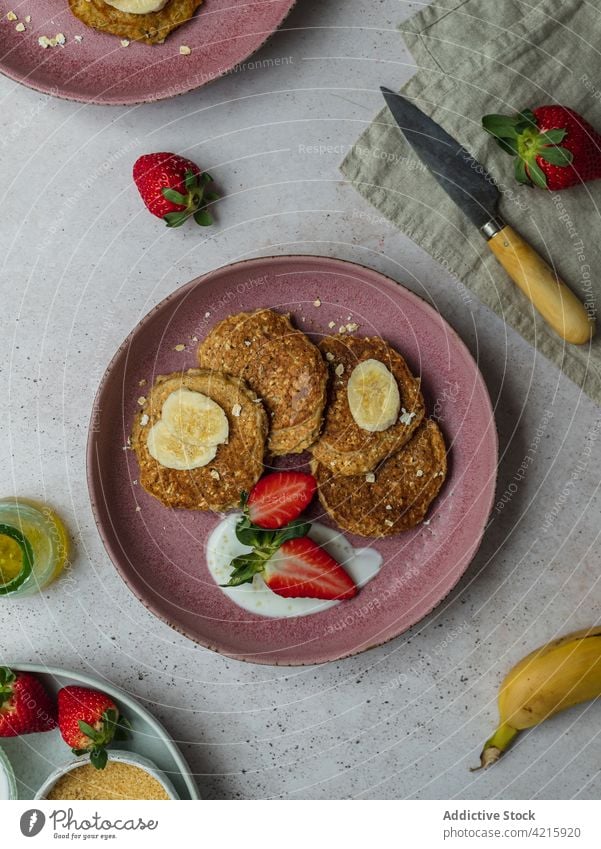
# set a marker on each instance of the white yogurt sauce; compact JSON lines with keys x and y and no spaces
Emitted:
{"x":362,"y":564}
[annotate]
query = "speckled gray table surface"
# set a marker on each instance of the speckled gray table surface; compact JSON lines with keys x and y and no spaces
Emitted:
{"x":81,"y":263}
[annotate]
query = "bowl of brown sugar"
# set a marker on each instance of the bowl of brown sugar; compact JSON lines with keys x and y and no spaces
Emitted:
{"x":126,"y":776}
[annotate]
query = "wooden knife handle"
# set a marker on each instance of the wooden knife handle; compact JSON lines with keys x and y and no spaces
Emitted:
{"x":557,"y":304}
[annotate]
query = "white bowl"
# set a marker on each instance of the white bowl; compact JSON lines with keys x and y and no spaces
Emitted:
{"x":130,"y":758}
{"x":8,"y":782}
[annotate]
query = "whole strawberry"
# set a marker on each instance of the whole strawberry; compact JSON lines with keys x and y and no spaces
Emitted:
{"x":555,"y":148}
{"x":89,"y":721}
{"x":173,"y":188}
{"x":25,"y":706}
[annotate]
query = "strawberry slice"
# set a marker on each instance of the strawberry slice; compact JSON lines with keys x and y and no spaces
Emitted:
{"x":302,"y":569}
{"x":279,"y":498}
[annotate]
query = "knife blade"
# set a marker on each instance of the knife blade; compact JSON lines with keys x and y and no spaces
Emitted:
{"x":466,"y":182}
{"x":474,"y":191}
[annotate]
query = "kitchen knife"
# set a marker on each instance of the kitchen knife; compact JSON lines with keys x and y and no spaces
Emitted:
{"x":474,"y":191}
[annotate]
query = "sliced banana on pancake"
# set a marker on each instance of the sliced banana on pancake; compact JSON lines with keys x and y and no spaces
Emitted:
{"x":138,"y":7}
{"x":373,"y":396}
{"x":195,"y":419}
{"x":172,"y":453}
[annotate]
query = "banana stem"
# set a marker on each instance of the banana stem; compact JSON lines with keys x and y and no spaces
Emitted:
{"x":496,"y":745}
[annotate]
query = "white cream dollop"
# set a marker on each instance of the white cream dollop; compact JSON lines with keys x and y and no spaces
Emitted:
{"x":362,"y":564}
{"x":138,"y":7}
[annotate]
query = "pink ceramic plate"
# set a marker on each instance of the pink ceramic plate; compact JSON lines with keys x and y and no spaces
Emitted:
{"x":160,"y":552}
{"x":97,"y":69}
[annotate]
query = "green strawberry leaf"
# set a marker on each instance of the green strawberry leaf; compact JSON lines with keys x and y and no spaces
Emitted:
{"x":88,"y":730}
{"x":122,"y":730}
{"x":175,"y":219}
{"x":556,"y":155}
{"x":508,"y":145}
{"x":553,"y":136}
{"x":536,"y":174}
{"x":245,"y":567}
{"x":204,"y":218}
{"x":249,"y":534}
{"x":297,"y":528}
{"x":206,"y":178}
{"x":526,"y":117}
{"x":99,"y":758}
{"x":190,"y":180}
{"x":7,"y":679}
{"x":521,"y":174}
{"x":174,"y":197}
{"x":212,"y":196}
{"x":500,"y":126}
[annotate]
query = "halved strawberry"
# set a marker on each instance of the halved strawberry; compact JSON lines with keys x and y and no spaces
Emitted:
{"x":280,"y":497}
{"x":302,"y":569}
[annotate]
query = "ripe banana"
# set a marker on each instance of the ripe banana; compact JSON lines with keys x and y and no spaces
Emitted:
{"x":172,"y":453}
{"x":195,"y":418}
{"x":138,"y":7}
{"x":373,"y":396}
{"x":556,"y":676}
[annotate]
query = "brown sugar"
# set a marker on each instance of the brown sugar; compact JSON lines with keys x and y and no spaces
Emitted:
{"x":116,"y":781}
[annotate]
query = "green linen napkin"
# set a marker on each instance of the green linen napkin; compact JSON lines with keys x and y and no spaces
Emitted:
{"x":476,"y":57}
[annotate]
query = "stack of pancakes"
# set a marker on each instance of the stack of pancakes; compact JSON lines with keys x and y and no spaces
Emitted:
{"x":287,"y":396}
{"x":376,"y":484}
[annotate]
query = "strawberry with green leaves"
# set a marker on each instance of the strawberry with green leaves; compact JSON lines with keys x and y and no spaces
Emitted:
{"x":174,"y":189}
{"x":554,"y":147}
{"x":291,"y":564}
{"x":25,"y":706}
{"x":89,"y":721}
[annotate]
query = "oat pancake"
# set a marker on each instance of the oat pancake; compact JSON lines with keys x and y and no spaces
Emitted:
{"x":152,"y":28}
{"x":238,"y":463}
{"x":343,"y":446}
{"x":281,"y":364}
{"x":398,"y":499}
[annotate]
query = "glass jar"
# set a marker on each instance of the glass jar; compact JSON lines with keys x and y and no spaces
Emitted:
{"x":34,"y":546}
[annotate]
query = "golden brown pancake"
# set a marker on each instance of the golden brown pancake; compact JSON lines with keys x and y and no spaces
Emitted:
{"x":281,"y":364}
{"x":343,"y":446}
{"x":238,"y":463}
{"x":398,"y":499}
{"x":152,"y":28}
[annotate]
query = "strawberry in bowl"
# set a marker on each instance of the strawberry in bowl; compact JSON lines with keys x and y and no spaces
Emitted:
{"x":25,"y":706}
{"x":89,"y":721}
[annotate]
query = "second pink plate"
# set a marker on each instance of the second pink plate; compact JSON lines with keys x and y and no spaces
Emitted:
{"x":160,"y":552}
{"x":96,"y":68}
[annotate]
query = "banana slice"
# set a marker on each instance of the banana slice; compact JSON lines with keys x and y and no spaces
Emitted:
{"x":138,"y":7}
{"x":195,"y":418}
{"x":174,"y":454}
{"x":373,"y":396}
